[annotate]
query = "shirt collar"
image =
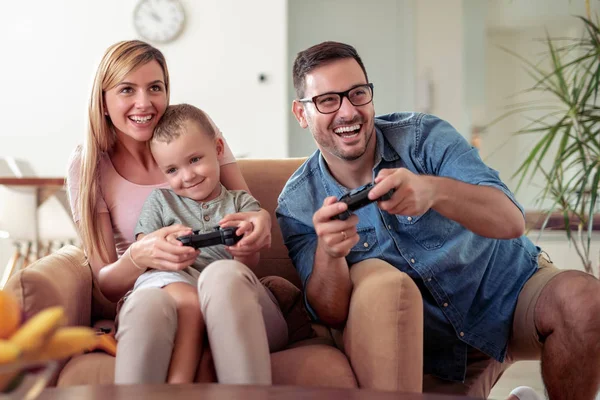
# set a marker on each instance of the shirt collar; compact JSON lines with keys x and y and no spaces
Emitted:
{"x":383,"y":150}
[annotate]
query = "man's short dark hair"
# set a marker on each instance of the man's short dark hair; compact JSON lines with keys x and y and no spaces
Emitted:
{"x":318,"y":55}
{"x":172,"y":123}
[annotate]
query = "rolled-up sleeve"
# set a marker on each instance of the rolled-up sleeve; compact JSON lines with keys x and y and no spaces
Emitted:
{"x":445,"y":152}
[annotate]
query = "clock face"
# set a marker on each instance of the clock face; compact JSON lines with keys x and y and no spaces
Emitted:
{"x":158,"y":20}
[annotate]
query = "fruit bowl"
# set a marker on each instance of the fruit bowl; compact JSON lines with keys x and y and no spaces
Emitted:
{"x":25,"y":381}
{"x":31,"y":347}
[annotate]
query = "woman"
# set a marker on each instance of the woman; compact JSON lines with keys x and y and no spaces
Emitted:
{"x":109,"y":179}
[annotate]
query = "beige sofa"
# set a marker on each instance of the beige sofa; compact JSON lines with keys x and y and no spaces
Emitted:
{"x":381,"y":346}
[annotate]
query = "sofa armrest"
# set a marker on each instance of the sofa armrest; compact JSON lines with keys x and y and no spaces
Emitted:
{"x":383,"y":338}
{"x":62,"y":278}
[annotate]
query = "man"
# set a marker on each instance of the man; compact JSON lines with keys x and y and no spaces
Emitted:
{"x":489,"y":297}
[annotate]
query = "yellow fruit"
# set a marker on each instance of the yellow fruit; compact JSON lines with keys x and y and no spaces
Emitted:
{"x":66,"y":342}
{"x":108,"y":344}
{"x":9,"y":352}
{"x":38,"y":329}
{"x":10,"y":314}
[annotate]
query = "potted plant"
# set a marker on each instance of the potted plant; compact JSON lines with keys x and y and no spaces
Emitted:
{"x":566,"y":150}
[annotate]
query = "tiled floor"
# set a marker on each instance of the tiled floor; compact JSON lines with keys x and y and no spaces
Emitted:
{"x":522,"y":373}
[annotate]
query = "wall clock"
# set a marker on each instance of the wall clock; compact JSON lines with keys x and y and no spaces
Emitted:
{"x":159,"y":21}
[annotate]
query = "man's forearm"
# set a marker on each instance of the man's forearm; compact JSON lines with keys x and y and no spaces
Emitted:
{"x":487,"y":211}
{"x":329,"y":288}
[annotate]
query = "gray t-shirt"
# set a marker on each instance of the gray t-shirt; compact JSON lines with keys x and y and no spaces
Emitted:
{"x":164,"y":208}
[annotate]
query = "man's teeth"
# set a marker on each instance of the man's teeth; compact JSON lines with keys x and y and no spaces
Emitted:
{"x":140,"y":120}
{"x":347,"y":129}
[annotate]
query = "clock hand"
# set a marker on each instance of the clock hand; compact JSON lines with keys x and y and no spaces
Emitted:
{"x":155,"y":16}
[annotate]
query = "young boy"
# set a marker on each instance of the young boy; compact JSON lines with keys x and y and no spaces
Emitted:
{"x":187,"y":150}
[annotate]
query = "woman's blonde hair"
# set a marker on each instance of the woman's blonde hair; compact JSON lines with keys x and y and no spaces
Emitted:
{"x":119,"y":60}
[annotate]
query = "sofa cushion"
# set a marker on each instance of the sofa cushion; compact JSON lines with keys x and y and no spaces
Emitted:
{"x":316,"y":365}
{"x":61,"y":279}
{"x":266,"y":179}
{"x":292,"y":307}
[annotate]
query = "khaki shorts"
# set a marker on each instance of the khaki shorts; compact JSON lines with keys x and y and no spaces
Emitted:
{"x":525,"y":342}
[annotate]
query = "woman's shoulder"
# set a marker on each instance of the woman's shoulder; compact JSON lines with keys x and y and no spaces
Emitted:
{"x":78,"y":154}
{"x":77,"y":157}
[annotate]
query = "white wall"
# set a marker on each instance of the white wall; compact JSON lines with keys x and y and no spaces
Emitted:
{"x":50,"y":50}
{"x":439,"y":58}
{"x":382,"y":33}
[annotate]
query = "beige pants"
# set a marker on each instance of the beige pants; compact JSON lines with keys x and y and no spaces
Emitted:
{"x":524,"y":344}
{"x":243,"y":320}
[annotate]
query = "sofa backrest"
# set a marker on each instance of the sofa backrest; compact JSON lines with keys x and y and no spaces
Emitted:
{"x":266,"y":178}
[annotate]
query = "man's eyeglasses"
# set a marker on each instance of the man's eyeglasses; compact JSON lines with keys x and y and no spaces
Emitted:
{"x":331,"y":102}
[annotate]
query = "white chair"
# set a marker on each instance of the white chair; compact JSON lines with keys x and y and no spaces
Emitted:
{"x":29,"y":230}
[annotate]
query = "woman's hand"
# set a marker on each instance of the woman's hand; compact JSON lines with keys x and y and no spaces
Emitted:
{"x":256,"y":228}
{"x":161,"y":250}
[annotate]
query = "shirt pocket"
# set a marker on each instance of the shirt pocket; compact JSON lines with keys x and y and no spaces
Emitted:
{"x":367,"y":246}
{"x":430,"y":230}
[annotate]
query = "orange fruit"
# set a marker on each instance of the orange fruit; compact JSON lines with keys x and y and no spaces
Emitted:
{"x":10,"y":315}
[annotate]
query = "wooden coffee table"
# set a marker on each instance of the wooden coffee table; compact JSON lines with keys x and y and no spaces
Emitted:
{"x":215,"y":391}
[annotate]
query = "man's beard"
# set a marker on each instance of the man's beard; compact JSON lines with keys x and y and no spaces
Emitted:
{"x":335,"y":150}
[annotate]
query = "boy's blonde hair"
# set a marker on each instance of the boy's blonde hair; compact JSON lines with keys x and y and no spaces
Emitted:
{"x":172,"y":124}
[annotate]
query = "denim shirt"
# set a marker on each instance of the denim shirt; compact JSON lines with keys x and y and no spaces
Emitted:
{"x":469,"y":283}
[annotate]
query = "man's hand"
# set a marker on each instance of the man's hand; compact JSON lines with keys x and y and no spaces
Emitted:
{"x":414,"y":194}
{"x":336,"y":237}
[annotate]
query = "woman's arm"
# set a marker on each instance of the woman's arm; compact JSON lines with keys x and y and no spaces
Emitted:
{"x":151,"y":251}
{"x":119,"y":275}
{"x":232,"y":178}
{"x":260,"y":237}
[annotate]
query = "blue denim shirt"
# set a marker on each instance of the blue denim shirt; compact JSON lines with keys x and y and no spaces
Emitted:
{"x":469,"y":283}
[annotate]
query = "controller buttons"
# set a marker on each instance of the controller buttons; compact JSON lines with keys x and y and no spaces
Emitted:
{"x":206,"y":218}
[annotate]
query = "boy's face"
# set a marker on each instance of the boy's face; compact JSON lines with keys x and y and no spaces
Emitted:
{"x":191,"y":163}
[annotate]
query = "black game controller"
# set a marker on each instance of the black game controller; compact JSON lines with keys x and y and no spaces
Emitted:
{"x":224,"y":236}
{"x":358,"y":198}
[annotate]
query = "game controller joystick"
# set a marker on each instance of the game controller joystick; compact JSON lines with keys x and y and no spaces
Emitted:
{"x":225,"y":236}
{"x":358,"y":198}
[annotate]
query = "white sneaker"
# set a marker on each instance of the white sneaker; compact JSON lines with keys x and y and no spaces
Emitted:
{"x":525,"y":393}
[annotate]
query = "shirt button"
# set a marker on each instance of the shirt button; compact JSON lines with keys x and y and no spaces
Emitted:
{"x":206,"y":218}
{"x":366,"y":244}
{"x":205,"y":206}
{"x":428,"y":279}
{"x":462,"y":334}
{"x":409,"y":219}
{"x":412,"y":260}
{"x":445,"y":304}
{"x":389,"y":227}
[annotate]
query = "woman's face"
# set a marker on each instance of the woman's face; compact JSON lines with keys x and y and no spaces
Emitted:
{"x":136,"y":104}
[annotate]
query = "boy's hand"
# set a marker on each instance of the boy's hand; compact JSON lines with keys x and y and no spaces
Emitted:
{"x":161,"y":250}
